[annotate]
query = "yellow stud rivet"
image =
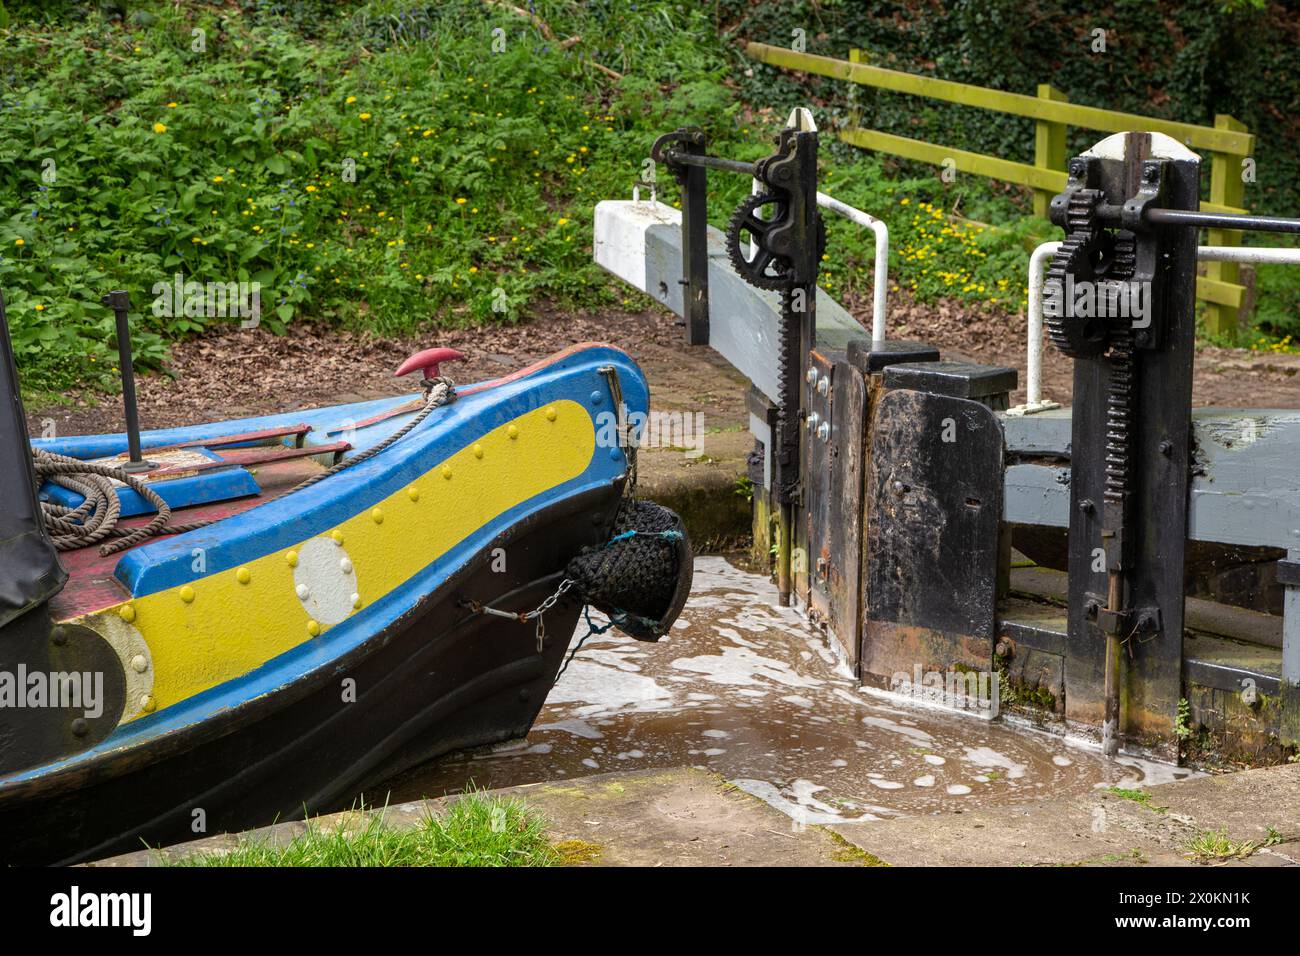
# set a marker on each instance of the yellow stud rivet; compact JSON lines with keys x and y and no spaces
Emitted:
{"x":377,"y":515}
{"x":551,"y":413}
{"x":513,"y":431}
{"x":313,"y":628}
{"x":446,"y":471}
{"x":147,"y":704}
{"x":413,"y":493}
{"x":127,"y":613}
{"x":478,"y":451}
{"x":243,"y":575}
{"x":292,"y":558}
{"x":187,"y":594}
{"x":337,"y":536}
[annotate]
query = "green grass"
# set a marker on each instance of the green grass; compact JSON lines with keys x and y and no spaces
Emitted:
{"x":1212,"y":846}
{"x":1140,"y":797}
{"x":476,"y":830}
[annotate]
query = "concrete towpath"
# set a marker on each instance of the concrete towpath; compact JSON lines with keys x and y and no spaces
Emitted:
{"x":689,"y":817}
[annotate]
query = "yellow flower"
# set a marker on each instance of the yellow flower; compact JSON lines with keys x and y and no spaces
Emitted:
{"x":365,"y":116}
{"x":217,"y":179}
{"x":171,"y":106}
{"x":20,"y":242}
{"x":159,"y":128}
{"x":39,"y":307}
{"x":415,"y":159}
{"x":311,"y":189}
{"x":473,"y":269}
{"x":461,"y":200}
{"x":350,"y":100}
{"x":561,"y":222}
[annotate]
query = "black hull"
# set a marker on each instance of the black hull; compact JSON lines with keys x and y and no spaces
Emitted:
{"x":439,"y":679}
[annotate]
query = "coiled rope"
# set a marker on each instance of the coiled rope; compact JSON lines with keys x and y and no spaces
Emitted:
{"x":95,"y":519}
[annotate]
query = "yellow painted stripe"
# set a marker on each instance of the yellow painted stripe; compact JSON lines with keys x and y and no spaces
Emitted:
{"x":225,"y":625}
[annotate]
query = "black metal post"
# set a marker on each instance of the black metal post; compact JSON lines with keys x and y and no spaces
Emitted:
{"x":120,"y":302}
{"x":695,"y":241}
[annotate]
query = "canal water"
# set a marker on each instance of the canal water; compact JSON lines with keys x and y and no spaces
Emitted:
{"x":743,"y":688}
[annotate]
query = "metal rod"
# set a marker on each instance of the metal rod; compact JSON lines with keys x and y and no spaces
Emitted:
{"x":120,"y":302}
{"x":679,"y":158}
{"x":1110,"y":714}
{"x":1221,"y":220}
{"x":881,"y":280}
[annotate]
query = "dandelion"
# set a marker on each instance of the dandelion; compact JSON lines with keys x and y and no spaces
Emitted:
{"x":171,"y":106}
{"x":159,"y":128}
{"x":461,"y":200}
{"x":218,"y":179}
{"x":39,"y":307}
{"x":364,"y":116}
{"x":473,"y":269}
{"x":20,"y":242}
{"x":350,"y":100}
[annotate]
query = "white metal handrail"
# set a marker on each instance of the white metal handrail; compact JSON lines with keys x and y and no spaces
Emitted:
{"x":1038,"y":266}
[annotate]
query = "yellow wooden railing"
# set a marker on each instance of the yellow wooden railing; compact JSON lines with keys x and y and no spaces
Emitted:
{"x":1228,"y":142}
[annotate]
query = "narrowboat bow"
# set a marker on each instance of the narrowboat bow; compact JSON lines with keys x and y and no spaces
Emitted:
{"x":359,"y":591}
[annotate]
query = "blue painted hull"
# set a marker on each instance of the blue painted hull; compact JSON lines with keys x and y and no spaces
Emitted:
{"x":410,"y":675}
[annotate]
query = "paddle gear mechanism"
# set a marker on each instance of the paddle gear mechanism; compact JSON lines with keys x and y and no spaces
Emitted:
{"x":757,"y":241}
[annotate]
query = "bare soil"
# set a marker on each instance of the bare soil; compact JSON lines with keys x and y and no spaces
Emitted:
{"x":232,"y":373}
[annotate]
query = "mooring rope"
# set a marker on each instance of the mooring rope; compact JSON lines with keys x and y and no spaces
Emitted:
{"x":95,"y":519}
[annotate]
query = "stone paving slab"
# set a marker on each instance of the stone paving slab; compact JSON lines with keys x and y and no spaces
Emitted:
{"x":1104,"y":827}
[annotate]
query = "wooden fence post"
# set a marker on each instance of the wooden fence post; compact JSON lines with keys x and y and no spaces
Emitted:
{"x":1049,"y":147}
{"x":1226,"y":188}
{"x":855,"y":107}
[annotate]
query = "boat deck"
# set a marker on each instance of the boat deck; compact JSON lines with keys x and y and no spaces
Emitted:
{"x":91,"y":584}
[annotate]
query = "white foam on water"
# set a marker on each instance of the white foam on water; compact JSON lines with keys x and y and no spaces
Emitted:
{"x":611,"y":658}
{"x":924,"y":781}
{"x":798,"y":701}
{"x":1062,"y":761}
{"x":934,"y":759}
{"x":957,"y":789}
{"x":733,"y":635}
{"x":886,"y":784}
{"x":579,"y":728}
{"x":988,"y":757}
{"x":606,"y":690}
{"x":716,"y":733}
{"x":741,"y":667}
{"x":513,"y":748}
{"x":912,"y":733}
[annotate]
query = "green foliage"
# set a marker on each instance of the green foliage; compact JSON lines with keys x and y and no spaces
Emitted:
{"x":477,"y":830}
{"x":385,"y":164}
{"x":1190,"y":62}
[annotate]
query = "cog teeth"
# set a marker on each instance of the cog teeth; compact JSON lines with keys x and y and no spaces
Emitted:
{"x":740,"y":220}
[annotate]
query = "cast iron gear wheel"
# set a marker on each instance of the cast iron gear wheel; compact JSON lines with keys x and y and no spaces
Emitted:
{"x":767,"y":269}
{"x":1086,"y":253}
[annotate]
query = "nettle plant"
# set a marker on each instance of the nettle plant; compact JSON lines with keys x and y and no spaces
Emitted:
{"x":398,"y":164}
